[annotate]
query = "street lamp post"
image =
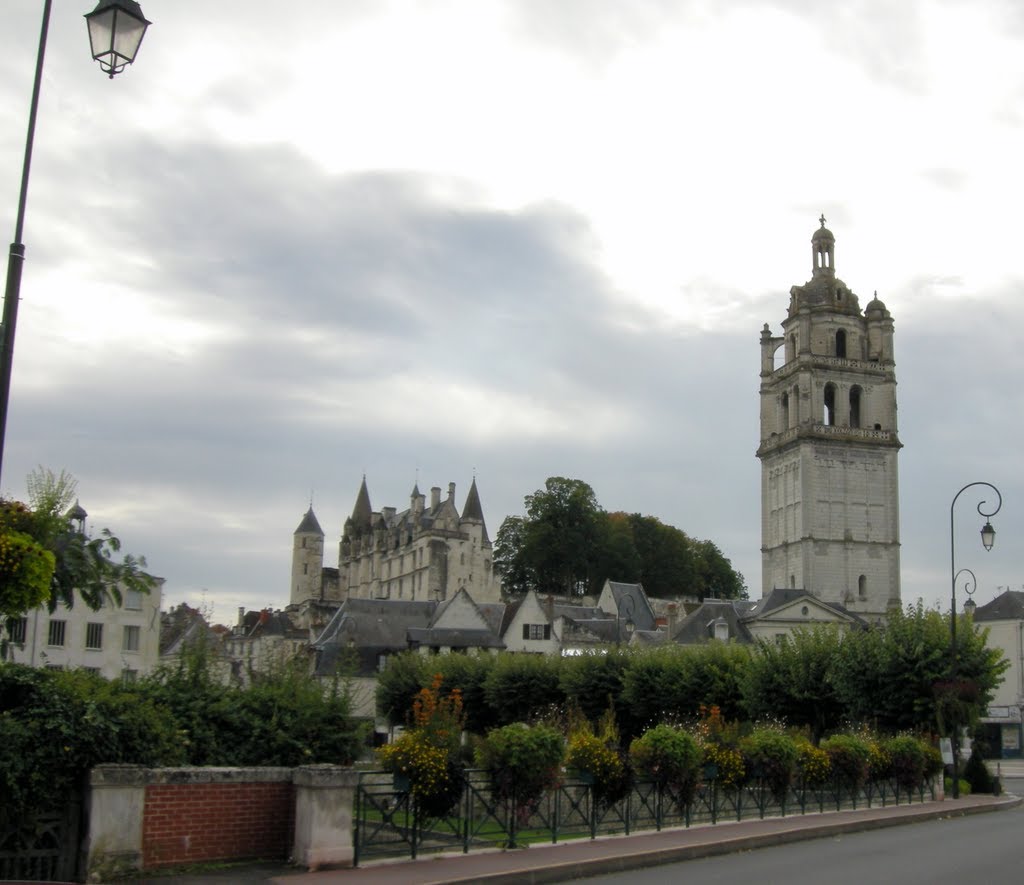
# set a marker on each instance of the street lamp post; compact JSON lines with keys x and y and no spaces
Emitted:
{"x":116,"y":29}
{"x":988,"y":537}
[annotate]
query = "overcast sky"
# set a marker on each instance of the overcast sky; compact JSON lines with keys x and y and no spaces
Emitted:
{"x":427,"y":240}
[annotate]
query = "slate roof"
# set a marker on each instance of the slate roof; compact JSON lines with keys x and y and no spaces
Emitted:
{"x":631,"y":602}
{"x":782,"y":596}
{"x":698,"y":626}
{"x":452,"y":637}
{"x":1008,"y":606}
{"x":309,"y":524}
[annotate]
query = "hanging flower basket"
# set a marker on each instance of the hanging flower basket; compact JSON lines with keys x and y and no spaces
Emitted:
{"x":26,"y":569}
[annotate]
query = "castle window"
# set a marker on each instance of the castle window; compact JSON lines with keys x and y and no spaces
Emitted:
{"x":305,"y":568}
{"x":862,"y":587}
{"x":841,"y":343}
{"x":855,"y":407}
{"x":785,"y":411}
{"x":536,"y":631}
{"x":830,"y":404}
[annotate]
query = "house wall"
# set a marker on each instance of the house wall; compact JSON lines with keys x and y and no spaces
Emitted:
{"x":1005,"y":708}
{"x":531,"y":614}
{"x":122,"y":651}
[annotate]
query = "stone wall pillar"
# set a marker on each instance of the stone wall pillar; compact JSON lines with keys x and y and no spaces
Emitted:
{"x":117,"y":796}
{"x":324,"y":802}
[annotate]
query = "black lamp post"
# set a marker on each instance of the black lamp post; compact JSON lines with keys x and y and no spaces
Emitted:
{"x":116,"y":28}
{"x":988,"y":537}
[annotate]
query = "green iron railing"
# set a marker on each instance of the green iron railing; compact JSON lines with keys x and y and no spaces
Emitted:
{"x":389,"y":822}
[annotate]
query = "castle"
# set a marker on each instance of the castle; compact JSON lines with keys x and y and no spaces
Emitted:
{"x":426,"y":552}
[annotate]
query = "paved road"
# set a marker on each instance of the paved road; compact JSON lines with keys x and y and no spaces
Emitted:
{"x":984,"y":849}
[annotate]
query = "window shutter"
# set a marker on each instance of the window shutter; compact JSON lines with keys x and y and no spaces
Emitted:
{"x":526,"y":631}
{"x":547,"y":631}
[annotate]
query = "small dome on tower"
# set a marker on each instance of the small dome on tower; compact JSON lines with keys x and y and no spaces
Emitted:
{"x":876,"y":305}
{"x":822,"y":233}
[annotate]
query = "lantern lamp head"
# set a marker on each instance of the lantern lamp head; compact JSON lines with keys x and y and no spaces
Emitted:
{"x":116,"y":29}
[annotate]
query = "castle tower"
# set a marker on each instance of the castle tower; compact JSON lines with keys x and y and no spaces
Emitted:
{"x":307,"y":559}
{"x":829,"y":445}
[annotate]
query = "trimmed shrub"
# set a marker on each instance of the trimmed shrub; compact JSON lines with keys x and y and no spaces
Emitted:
{"x":523,"y":761}
{"x":850,"y":757}
{"x":670,"y":757}
{"x":908,"y":760}
{"x":771,"y":755}
{"x":976,"y":773}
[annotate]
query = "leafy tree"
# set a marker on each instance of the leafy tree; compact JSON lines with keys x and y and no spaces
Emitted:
{"x":55,"y":725}
{"x":468,"y":674}
{"x":521,"y":687}
{"x":792,"y":680}
{"x":81,"y":566}
{"x":510,"y":556}
{"x":667,"y":564}
{"x":566,"y":543}
{"x":563,"y":532}
{"x":898,"y":675}
{"x":715,"y":574}
{"x":593,"y":682}
{"x":399,"y":683}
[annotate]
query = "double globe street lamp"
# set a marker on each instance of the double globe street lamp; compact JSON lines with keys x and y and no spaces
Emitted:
{"x":988,"y":538}
{"x":116,"y":29}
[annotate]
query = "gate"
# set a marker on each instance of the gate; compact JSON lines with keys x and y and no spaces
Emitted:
{"x":45,"y":847}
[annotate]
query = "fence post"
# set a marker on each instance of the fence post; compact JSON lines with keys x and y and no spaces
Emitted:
{"x":116,"y":799}
{"x":325,"y":798}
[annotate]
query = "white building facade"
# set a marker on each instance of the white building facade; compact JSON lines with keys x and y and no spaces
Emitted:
{"x":116,"y":641}
{"x":829,"y":445}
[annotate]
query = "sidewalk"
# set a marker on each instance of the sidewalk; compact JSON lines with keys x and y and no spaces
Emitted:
{"x":583,"y":857}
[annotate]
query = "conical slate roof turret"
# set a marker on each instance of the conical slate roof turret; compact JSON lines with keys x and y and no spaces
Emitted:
{"x":473,"y":512}
{"x":362,"y":513}
{"x":309,"y":524}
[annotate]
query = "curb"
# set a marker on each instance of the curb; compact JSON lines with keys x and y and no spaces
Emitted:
{"x":800,"y":832}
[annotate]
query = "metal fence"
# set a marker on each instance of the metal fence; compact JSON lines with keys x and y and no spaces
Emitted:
{"x":389,"y":822}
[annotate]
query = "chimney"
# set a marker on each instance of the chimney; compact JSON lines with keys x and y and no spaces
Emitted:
{"x":435,"y":497}
{"x":451,"y":491}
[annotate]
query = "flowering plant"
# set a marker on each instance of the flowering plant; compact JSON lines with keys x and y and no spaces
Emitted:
{"x":814,"y":762}
{"x":427,"y":751}
{"x":591,"y":756}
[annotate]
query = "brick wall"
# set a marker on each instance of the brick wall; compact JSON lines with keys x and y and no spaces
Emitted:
{"x":201,"y":815}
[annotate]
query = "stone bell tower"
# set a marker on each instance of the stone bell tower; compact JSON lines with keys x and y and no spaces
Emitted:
{"x":829,"y":446}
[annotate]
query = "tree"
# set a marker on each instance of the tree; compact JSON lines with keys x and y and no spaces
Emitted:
{"x":566,"y":543}
{"x":792,"y":680}
{"x":554,"y":549}
{"x":715,"y":574}
{"x":667,"y":564}
{"x":898,"y":675}
{"x":44,"y":532}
